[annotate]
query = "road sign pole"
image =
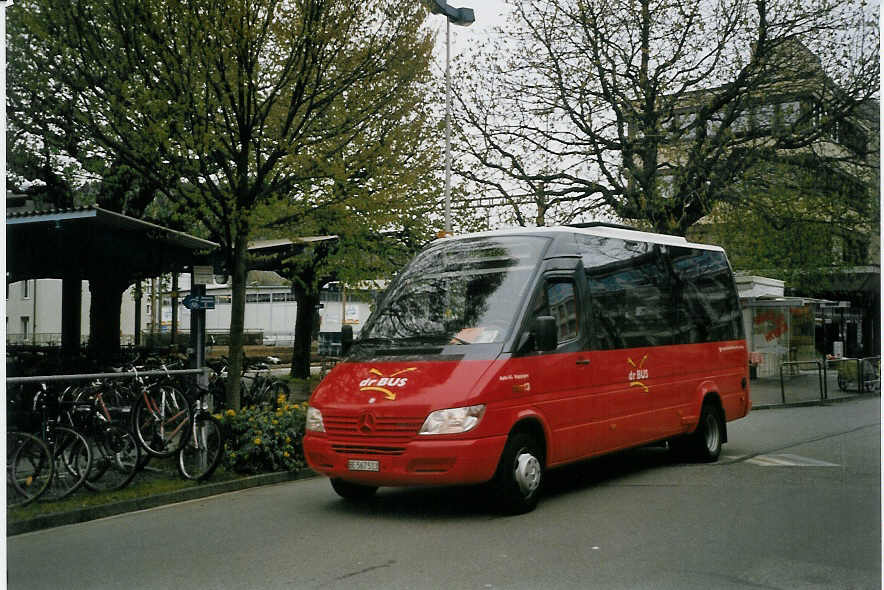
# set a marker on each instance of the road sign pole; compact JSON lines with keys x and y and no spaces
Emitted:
{"x":198,"y":331}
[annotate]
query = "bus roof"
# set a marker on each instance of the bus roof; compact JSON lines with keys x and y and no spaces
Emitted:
{"x":600,"y":231}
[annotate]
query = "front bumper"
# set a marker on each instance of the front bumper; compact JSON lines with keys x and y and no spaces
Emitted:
{"x":430,"y":461}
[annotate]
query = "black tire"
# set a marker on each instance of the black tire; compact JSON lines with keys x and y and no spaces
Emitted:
{"x":161,"y":418}
{"x":72,"y":459}
{"x":116,"y":457}
{"x":704,"y":444}
{"x":519,"y":478}
{"x":354,"y":492}
{"x":29,"y":469}
{"x":201,"y":454}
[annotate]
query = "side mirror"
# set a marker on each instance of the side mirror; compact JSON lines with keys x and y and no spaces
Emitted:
{"x":545,"y":333}
{"x":346,"y":339}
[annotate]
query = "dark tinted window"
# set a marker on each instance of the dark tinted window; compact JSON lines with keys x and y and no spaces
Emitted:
{"x":461,"y":291}
{"x":632,"y":303}
{"x":558,"y":299}
{"x":707,"y":302}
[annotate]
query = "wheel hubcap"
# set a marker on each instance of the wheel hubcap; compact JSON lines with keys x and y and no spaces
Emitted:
{"x":527,"y":473}
{"x":712,"y":435}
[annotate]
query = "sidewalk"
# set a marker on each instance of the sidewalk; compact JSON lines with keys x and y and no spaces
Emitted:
{"x":802,"y":389}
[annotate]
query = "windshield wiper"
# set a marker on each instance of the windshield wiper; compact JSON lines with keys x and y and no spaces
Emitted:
{"x":439,"y":338}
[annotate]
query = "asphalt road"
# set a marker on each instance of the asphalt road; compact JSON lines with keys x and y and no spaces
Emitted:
{"x":794,"y":504}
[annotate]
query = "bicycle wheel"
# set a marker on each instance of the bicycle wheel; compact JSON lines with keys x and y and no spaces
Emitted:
{"x":162,"y":416}
{"x":28,"y":471}
{"x":72,"y":458}
{"x":116,"y":456}
{"x":200,"y":456}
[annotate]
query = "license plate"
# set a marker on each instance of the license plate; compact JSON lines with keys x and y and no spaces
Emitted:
{"x":359,"y":465}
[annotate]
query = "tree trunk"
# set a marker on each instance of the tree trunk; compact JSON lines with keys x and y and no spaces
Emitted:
{"x":307,"y":302}
{"x":237,"y":319}
{"x":104,"y":316}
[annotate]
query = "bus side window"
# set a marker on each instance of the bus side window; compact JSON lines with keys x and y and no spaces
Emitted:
{"x":558,"y":299}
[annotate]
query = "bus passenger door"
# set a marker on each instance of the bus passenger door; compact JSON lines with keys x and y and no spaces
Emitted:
{"x":563,"y":376}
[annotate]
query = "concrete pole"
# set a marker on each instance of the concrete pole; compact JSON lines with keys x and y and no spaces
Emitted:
{"x":447,"y":126}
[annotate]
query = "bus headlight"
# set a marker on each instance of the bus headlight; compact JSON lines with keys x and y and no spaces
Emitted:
{"x":453,"y":420}
{"x":314,"y":420}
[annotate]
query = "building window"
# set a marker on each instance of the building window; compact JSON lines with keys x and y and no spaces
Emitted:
{"x":25,"y":320}
{"x":790,"y":111}
{"x":764,"y":117}
{"x":25,"y":290}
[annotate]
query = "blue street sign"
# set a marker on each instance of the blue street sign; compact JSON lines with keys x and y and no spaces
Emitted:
{"x":194,"y":302}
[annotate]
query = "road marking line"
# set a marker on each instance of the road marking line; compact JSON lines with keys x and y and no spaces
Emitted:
{"x":788,"y":460}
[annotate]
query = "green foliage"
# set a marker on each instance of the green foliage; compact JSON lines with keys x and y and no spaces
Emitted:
{"x":801,"y":220}
{"x":225,"y":107}
{"x":264,"y":439}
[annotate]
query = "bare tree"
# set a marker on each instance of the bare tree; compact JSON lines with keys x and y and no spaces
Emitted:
{"x":653,"y":110}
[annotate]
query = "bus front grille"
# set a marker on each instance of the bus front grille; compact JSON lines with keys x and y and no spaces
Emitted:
{"x":377,"y":427}
{"x":367,"y":450}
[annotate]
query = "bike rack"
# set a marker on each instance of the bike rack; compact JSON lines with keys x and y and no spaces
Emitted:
{"x":820,"y":370}
{"x":121,"y":375}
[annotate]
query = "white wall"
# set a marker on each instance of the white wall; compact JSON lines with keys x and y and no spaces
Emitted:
{"x":43,"y":302}
{"x":275,"y":318}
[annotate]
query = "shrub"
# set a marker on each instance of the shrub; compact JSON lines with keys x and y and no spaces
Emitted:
{"x":264,"y":439}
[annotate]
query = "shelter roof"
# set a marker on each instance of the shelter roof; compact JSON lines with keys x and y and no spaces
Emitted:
{"x":91,"y":242}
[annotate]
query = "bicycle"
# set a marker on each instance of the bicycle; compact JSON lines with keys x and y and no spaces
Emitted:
{"x":264,"y":389}
{"x":116,"y":454}
{"x":165,"y":424}
{"x":29,"y":468}
{"x":160,"y":416}
{"x":201,"y":453}
{"x":71,"y":453}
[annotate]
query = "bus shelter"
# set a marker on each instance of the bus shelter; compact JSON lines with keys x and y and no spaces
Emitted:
{"x":108,"y":249}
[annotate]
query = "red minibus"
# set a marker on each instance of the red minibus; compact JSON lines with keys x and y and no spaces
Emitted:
{"x":495,"y":356}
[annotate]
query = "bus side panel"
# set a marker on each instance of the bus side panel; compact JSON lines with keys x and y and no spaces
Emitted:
{"x":719,"y":368}
{"x":639,"y":396}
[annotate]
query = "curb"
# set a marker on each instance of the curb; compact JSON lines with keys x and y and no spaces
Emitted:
{"x":195,"y":493}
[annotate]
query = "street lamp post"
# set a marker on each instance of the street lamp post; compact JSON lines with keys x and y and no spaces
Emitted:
{"x":463,"y":17}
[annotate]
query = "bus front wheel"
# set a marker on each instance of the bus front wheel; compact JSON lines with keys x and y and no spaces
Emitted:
{"x":520,"y":474}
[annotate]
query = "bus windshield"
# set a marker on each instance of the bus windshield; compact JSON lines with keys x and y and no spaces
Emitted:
{"x":466,"y":291}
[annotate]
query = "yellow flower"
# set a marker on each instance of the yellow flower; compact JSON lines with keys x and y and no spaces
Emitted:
{"x":231,"y":412}
{"x":276,"y":421}
{"x":285,"y":454}
{"x":257,"y":441}
{"x":288,"y":439}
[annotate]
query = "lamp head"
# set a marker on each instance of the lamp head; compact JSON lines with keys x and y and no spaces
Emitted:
{"x":456,"y":16}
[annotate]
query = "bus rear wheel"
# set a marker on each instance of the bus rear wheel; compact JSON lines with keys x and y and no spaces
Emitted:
{"x":519,"y":475}
{"x":353,"y":491}
{"x":704,"y":444}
